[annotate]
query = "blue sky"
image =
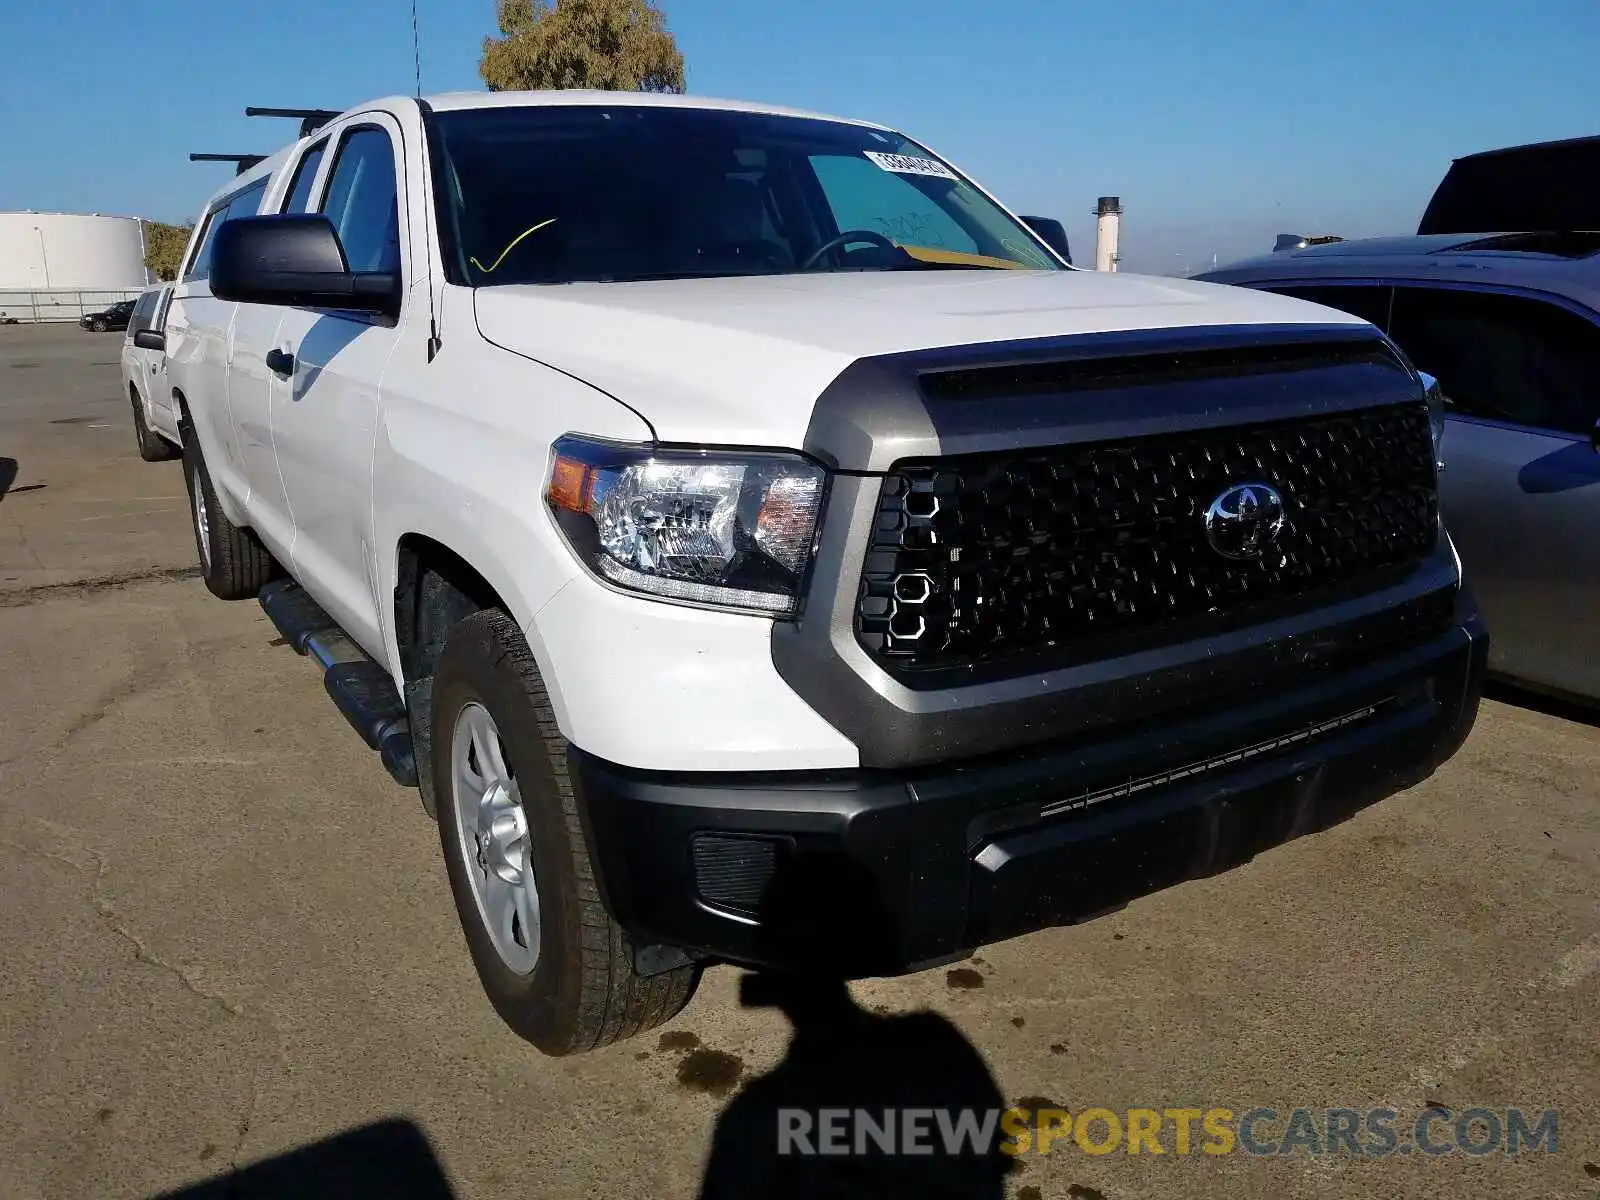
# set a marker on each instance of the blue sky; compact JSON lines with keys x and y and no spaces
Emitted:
{"x":1220,"y":124}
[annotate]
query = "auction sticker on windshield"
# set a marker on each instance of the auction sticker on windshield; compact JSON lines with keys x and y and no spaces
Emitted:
{"x":909,"y":164}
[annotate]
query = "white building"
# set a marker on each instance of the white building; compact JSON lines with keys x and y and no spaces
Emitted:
{"x":58,"y":252}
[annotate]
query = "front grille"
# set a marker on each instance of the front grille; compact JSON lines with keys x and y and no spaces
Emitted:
{"x":1035,"y":557}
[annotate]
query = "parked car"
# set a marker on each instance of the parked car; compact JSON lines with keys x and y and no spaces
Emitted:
{"x":759,"y":546}
{"x":116,"y":317}
{"x":1510,"y":325}
{"x":144,"y":375}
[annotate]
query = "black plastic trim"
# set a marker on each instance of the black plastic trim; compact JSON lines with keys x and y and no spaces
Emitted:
{"x":896,"y":870}
{"x":320,"y":149}
{"x":881,"y":409}
{"x":443,"y":222}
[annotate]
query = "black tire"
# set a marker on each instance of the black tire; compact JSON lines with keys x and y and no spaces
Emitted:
{"x":99,"y":326}
{"x":152,"y":446}
{"x":583,"y":992}
{"x":233,"y":562}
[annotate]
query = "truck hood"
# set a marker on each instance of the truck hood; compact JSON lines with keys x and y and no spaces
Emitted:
{"x":741,"y":361}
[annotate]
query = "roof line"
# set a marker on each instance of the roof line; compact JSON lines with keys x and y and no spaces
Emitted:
{"x":56,"y":212}
{"x":1572,"y":141}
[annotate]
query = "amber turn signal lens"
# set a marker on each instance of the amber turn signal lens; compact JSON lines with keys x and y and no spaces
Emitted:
{"x":571,"y":485}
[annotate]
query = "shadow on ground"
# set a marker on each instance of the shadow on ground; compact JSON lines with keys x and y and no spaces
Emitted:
{"x":392,"y":1159}
{"x":1567,"y":708}
{"x":842,"y":1057}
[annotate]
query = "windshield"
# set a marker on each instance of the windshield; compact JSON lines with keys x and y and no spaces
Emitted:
{"x":545,"y":194}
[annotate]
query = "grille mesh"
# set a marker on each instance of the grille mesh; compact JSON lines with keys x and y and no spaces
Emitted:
{"x":982,"y":558}
{"x":734,"y":871}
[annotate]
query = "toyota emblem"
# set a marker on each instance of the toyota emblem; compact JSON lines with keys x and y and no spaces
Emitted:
{"x":1244,"y":522}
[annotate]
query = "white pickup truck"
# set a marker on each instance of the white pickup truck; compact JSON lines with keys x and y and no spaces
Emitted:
{"x":762,"y":547}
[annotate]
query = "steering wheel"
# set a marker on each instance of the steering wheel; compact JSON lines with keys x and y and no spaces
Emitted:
{"x":843,"y":240}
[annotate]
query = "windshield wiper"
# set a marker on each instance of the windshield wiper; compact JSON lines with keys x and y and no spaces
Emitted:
{"x":653,"y":277}
{"x":920,"y":264}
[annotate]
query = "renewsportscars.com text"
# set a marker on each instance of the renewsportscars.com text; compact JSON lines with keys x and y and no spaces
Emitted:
{"x":1261,"y":1132}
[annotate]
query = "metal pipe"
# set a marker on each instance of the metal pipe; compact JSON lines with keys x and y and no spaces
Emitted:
{"x":44,"y":257}
{"x":1108,"y":225}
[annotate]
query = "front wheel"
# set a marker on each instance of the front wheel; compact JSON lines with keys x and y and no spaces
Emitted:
{"x":99,"y":326}
{"x":556,"y":967}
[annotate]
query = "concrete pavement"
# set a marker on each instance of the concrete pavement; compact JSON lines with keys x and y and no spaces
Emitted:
{"x":226,"y":934}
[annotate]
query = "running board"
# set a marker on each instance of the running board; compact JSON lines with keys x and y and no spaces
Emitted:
{"x":360,"y":689}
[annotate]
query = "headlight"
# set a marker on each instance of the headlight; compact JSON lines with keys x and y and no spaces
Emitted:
{"x":727,"y":530}
{"x":1435,"y":395}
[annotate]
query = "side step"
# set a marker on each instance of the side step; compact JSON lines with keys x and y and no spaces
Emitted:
{"x":360,"y":688}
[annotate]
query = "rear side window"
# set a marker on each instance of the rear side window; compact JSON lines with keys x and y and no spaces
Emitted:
{"x":242,"y":204}
{"x":1367,"y":301}
{"x":142,"y":311}
{"x":1506,"y":358}
{"x":362,"y":201}
{"x":248,"y":202}
{"x":200,"y":265}
{"x":305,"y":174}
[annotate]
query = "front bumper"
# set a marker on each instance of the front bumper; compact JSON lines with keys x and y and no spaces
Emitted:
{"x":872,"y":872}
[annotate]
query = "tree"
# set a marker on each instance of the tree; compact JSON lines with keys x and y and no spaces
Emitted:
{"x":611,"y":45}
{"x":163,"y":248}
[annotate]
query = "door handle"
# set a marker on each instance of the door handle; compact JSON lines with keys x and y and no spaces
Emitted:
{"x":280,"y":362}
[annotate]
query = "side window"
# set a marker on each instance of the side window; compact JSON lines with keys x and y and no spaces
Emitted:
{"x":864,"y":196}
{"x":242,"y":204}
{"x":1367,"y":301}
{"x":1504,"y":357}
{"x":248,"y":202}
{"x":362,"y":203}
{"x":140,"y":319}
{"x":305,"y":173}
{"x":200,"y":265}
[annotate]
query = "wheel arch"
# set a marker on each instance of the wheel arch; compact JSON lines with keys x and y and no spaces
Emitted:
{"x":435,"y":584}
{"x":180,"y":403}
{"x":434,"y":587}
{"x":188,"y":428}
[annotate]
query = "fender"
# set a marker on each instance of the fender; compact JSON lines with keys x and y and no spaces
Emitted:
{"x":460,"y":457}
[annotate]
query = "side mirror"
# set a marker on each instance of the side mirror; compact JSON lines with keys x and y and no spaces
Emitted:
{"x":150,"y":339}
{"x":296,"y":261}
{"x":1052,"y":233}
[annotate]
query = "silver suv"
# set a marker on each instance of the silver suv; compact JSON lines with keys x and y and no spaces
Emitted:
{"x":1509,"y":323}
